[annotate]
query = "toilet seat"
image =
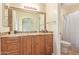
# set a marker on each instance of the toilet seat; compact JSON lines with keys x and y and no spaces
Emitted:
{"x":65,"y":43}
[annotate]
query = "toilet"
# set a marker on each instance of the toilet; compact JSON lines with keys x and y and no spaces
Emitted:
{"x":65,"y":47}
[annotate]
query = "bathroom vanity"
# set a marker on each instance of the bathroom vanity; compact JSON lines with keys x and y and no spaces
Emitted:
{"x":27,"y":44}
{"x":27,"y":33}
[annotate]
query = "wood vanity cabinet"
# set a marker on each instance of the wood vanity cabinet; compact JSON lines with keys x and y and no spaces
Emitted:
{"x":10,"y":45}
{"x":27,"y":45}
{"x":37,"y":44}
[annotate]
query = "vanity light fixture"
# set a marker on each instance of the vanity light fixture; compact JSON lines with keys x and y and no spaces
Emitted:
{"x":30,"y":8}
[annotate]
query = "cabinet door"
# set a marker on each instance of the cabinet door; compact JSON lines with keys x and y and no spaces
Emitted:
{"x":49,"y":44}
{"x":33,"y":45}
{"x":0,"y":46}
{"x":42,"y":44}
{"x":27,"y":45}
{"x":36,"y":45}
{"x":10,"y":45}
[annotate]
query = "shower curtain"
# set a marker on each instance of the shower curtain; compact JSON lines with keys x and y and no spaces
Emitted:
{"x":71,"y":29}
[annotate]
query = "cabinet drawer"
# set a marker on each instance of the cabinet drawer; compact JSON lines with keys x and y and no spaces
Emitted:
{"x":10,"y":45}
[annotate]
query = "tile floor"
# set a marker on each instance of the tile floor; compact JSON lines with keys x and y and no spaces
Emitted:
{"x":71,"y":51}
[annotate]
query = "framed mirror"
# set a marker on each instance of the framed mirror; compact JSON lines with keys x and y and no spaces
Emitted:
{"x":28,"y":21}
{"x":21,"y":20}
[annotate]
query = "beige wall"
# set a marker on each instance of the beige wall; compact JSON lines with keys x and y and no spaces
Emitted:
{"x":51,"y":16}
{"x":2,"y":28}
{"x":52,"y":24}
{"x":1,"y":11}
{"x":38,"y":6}
{"x":0,"y":23}
{"x":70,"y":8}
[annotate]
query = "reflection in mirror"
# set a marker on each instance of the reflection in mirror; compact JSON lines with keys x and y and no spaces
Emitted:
{"x":27,"y":24}
{"x":27,"y":21}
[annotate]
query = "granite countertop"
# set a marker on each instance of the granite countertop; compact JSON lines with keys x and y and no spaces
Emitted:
{"x":23,"y":34}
